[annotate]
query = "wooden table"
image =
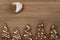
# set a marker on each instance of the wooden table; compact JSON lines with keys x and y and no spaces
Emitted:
{"x":34,"y":12}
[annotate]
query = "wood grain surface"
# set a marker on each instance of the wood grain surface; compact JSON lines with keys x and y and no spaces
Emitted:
{"x":34,"y":12}
{"x":30,"y":0}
